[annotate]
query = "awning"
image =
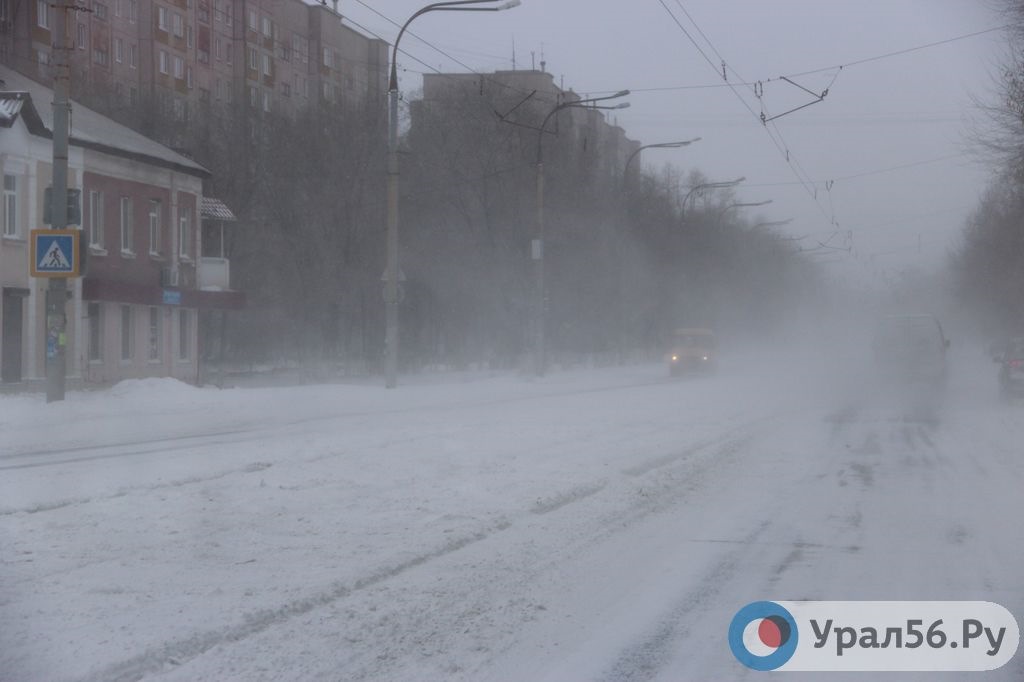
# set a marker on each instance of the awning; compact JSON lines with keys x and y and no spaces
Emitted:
{"x":215,"y":209}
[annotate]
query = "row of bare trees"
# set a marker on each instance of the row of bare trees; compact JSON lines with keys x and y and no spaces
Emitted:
{"x":989,"y":265}
{"x":625,"y":260}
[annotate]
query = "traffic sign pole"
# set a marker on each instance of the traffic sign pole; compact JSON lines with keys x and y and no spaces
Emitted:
{"x":56,"y":293}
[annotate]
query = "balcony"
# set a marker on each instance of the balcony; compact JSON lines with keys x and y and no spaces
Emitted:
{"x":214,"y":274}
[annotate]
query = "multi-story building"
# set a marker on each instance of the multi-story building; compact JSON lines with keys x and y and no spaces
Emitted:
{"x":183,"y":55}
{"x":135,"y":311}
{"x":527,"y":96}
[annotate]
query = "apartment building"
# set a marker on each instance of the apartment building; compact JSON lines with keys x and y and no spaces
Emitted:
{"x":135,"y":312}
{"x":185,"y":56}
{"x":526,"y":96}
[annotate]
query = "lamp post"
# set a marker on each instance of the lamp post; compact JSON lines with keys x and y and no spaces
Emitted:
{"x":537,"y":246}
{"x":724,"y":184}
{"x":659,"y":145}
{"x":391,"y":275}
{"x":740,"y":204}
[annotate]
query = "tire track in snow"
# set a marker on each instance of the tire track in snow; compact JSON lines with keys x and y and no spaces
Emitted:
{"x":167,"y":656}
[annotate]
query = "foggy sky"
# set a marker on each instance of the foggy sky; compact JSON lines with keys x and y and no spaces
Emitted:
{"x":894,"y":111}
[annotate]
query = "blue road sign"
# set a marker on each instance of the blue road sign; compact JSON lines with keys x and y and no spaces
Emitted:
{"x":55,"y":253}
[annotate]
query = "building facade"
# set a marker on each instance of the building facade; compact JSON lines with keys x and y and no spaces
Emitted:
{"x":135,"y":311}
{"x":185,"y":56}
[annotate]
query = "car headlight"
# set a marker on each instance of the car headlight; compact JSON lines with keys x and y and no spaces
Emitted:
{"x":704,"y":358}
{"x":675,"y":358}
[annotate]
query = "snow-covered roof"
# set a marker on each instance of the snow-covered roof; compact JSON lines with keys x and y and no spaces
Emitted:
{"x":215,"y":209}
{"x":10,"y":105}
{"x":89,"y":128}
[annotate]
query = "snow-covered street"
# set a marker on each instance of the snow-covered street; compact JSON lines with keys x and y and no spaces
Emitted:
{"x":600,"y":524}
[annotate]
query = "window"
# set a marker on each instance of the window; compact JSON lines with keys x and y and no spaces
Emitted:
{"x":266,"y":64}
{"x":80,"y":40}
{"x":133,"y":95}
{"x":184,"y":334}
{"x":100,"y":56}
{"x":229,"y":13}
{"x":217,"y":11}
{"x":204,"y":95}
{"x":189,"y":39}
{"x":179,"y":25}
{"x":327,"y":56}
{"x":253,"y":96}
{"x":43,"y":13}
{"x":99,"y":10}
{"x":163,"y":23}
{"x":268,"y":30}
{"x":266,"y":101}
{"x":118,"y":50}
{"x":165,"y":62}
{"x":253,"y":26}
{"x":254,"y":59}
{"x":10,"y":216}
{"x":133,"y":57}
{"x":95,"y":332}
{"x":227,"y":55}
{"x":154,"y":333}
{"x":133,"y":11}
{"x":218,"y":49}
{"x":203,"y":56}
{"x":179,"y":68}
{"x":117,"y":8}
{"x":126,"y":225}
{"x":204,"y":13}
{"x":96,"y":219}
{"x":127,"y":333}
{"x":188,"y":77}
{"x":43,"y":57}
{"x":286,"y":89}
{"x":184,"y":234}
{"x":154,"y":227}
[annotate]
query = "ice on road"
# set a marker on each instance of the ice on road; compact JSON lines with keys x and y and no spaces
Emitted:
{"x":598,"y":524}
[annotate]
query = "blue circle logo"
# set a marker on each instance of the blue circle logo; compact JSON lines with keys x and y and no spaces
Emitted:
{"x":763,"y":635}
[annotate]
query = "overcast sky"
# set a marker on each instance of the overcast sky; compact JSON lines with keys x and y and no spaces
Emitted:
{"x":911,"y":109}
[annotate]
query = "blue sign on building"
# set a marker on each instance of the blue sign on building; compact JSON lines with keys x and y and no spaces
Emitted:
{"x":172,"y":297}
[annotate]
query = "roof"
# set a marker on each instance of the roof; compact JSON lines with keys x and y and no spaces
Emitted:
{"x":215,"y":209}
{"x":89,"y":129}
{"x":10,"y":105}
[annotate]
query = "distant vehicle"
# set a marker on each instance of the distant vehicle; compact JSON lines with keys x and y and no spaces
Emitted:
{"x":1011,"y":368}
{"x":694,"y":350}
{"x":911,"y":349}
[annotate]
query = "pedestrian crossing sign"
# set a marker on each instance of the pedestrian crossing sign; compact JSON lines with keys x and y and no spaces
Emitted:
{"x":55,"y":253}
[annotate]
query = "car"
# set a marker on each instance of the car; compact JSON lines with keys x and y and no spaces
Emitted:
{"x":911,"y":350}
{"x":1011,"y":368}
{"x":694,"y":350}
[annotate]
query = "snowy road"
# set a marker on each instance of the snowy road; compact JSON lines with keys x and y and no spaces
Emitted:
{"x":594,"y":525}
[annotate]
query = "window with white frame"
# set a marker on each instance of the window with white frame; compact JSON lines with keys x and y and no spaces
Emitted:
{"x":133,"y":11}
{"x":96,"y":219}
{"x":188,"y":77}
{"x":265,"y":58}
{"x":95,"y":332}
{"x":253,"y":96}
{"x":154,"y":333}
{"x":189,"y":37}
{"x":10,"y":216}
{"x":327,"y":56}
{"x":184,"y":333}
{"x":99,"y":10}
{"x":126,"y":226}
{"x":118,"y":50}
{"x":253,"y":25}
{"x":266,"y":101}
{"x":133,"y":56}
{"x":43,"y":57}
{"x":155,"y":212}
{"x":165,"y":62}
{"x":43,"y":13}
{"x":163,"y":21}
{"x":179,"y":24}
{"x":228,"y":56}
{"x":179,"y":68}
{"x":117,"y":8}
{"x":254,"y":58}
{"x":268,"y":29}
{"x":127,"y":333}
{"x":80,"y":40}
{"x":184,"y":234}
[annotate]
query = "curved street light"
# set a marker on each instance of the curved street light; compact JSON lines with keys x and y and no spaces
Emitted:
{"x":725,"y":184}
{"x":658,"y":145}
{"x":391,"y":274}
{"x":537,"y":245}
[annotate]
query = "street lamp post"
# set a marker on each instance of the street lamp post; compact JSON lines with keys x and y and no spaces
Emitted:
{"x":391,"y":275}
{"x":740,"y":204}
{"x":537,"y":246}
{"x":725,"y":184}
{"x":659,"y":145}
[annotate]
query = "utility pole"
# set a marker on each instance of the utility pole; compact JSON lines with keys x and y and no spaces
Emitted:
{"x":56,"y":293}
